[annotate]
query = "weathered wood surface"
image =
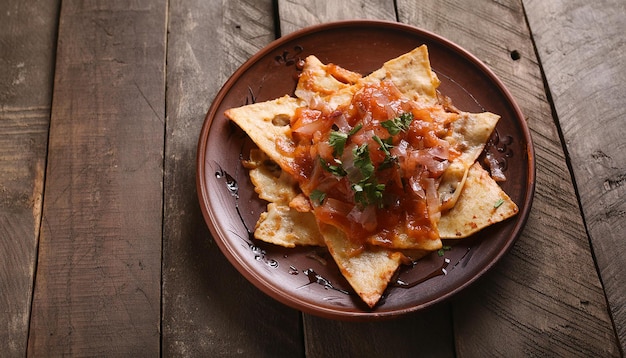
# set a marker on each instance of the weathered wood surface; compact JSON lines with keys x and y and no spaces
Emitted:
{"x":534,"y":291}
{"x":209,"y":309}
{"x":582,"y":49}
{"x":97,"y":289}
{"x":294,"y":15}
{"x":120,"y":215}
{"x":27,"y":53}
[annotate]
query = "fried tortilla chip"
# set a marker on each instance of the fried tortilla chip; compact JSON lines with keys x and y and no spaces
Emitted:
{"x":283,"y":223}
{"x":284,"y":226}
{"x":269,"y":180}
{"x":401,"y":240}
{"x":267,"y":123}
{"x":368,"y":271}
{"x":470,"y":132}
{"x":481,"y":203}
{"x":412,"y":75}
{"x":325,"y":85}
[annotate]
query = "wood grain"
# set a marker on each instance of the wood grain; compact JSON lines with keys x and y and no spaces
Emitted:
{"x":209,"y":309}
{"x":27,"y":51}
{"x":583,"y":53}
{"x":102,"y":237}
{"x":425,"y":334}
{"x":295,"y":15}
{"x":525,"y":306}
{"x":97,"y":289}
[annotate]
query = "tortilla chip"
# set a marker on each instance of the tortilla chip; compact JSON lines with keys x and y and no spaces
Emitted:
{"x":284,"y":226}
{"x":481,"y":203}
{"x":318,"y":84}
{"x":267,"y":123}
{"x":269,"y":180}
{"x":401,"y":240}
{"x":368,"y":271}
{"x":283,"y":223}
{"x":470,"y":131}
{"x":412,"y":75}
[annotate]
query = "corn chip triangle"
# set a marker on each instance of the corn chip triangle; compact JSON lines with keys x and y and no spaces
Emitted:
{"x":377,"y":189}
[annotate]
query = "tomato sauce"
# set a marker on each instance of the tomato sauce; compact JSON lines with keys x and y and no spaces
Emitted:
{"x":377,"y":176}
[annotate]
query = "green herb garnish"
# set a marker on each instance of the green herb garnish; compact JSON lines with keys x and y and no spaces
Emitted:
{"x":355,"y":129}
{"x":336,"y":170}
{"x":337,"y":140}
{"x":317,"y":196}
{"x":385,"y":144}
{"x":367,"y":191}
{"x":443,"y":249}
{"x":363,"y":161}
{"x":498,"y":203}
{"x":398,"y":124}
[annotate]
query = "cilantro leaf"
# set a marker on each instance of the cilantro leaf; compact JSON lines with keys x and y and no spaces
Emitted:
{"x":333,"y":169}
{"x":356,"y":129}
{"x":363,"y":161}
{"x":398,"y":124}
{"x":337,"y":140}
{"x":443,"y":249}
{"x":385,"y":144}
{"x":368,"y":193}
{"x":317,"y":196}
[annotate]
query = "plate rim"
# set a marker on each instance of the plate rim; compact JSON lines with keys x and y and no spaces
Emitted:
{"x":272,"y":290}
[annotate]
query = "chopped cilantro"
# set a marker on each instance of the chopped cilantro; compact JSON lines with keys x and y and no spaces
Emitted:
{"x":443,"y":249}
{"x":363,"y":161}
{"x":388,"y":162}
{"x":317,"y":196}
{"x":356,"y":129}
{"x":333,"y":169}
{"x":368,"y":193}
{"x":398,"y":124}
{"x":498,"y":203}
{"x":385,"y":144}
{"x":337,"y":140}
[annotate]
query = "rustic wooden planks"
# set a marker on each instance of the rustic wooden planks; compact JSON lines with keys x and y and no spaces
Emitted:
{"x":120,"y":182}
{"x":294,"y":15}
{"x":209,"y":309}
{"x":525,"y":306}
{"x":97,"y":290}
{"x":582,"y":51}
{"x":27,"y":52}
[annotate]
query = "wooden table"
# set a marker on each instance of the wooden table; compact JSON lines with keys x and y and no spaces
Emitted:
{"x":103,"y":248}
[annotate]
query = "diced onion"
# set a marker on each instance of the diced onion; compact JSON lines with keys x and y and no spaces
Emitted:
{"x":365,"y":217}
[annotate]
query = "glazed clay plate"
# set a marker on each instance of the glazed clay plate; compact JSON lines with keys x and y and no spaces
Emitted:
{"x":307,"y":278}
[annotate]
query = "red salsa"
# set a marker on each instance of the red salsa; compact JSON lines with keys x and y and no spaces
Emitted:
{"x":371,"y":167}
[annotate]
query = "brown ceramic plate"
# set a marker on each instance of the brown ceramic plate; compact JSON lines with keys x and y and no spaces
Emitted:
{"x":307,"y":278}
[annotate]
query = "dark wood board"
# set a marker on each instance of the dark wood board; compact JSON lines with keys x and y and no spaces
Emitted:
{"x":209,"y":309}
{"x":549,"y":275}
{"x":27,"y":55}
{"x":583,"y":53}
{"x":97,"y":289}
